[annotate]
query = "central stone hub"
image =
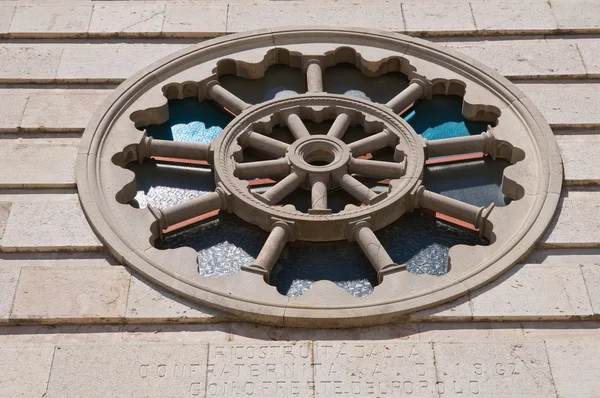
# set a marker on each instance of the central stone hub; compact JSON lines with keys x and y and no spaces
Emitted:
{"x":321,"y":156}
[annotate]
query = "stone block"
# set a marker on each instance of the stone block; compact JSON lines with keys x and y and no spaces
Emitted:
{"x":59,"y":110}
{"x":141,"y":370}
{"x":533,"y":292}
{"x":24,"y":371}
{"x":575,"y":222}
{"x":365,"y":368}
{"x":48,"y":226}
{"x":127,"y":19}
{"x":452,"y":331}
{"x":9,"y":277}
{"x":590,"y":52}
{"x":37,"y":163}
{"x":515,"y":17}
{"x":195,"y":20}
{"x":493,"y":369}
{"x":531,"y":60}
{"x":28,"y":63}
{"x":6,"y":15}
{"x":242,"y":17}
{"x":51,"y":20}
{"x":578,"y":330}
{"x":110,"y":63}
{"x":12,"y":106}
{"x":566,"y":105}
{"x":575,"y":368}
{"x":263,"y":370}
{"x":457,"y":310}
{"x":4,"y":213}
{"x":57,"y":259}
{"x":446,"y":17}
{"x":579,"y":153}
{"x":147,"y":303}
{"x":574,"y":15}
{"x":94,"y":294}
{"x":591,"y":275}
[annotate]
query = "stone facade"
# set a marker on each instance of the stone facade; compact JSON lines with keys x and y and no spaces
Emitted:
{"x":75,"y":322}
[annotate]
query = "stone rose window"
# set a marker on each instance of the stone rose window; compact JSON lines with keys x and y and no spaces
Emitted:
{"x":319,"y":177}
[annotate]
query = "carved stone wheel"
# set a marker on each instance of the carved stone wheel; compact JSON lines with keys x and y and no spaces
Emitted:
{"x":319,"y":163}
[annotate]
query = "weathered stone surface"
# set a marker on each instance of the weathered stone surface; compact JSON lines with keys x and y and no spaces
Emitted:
{"x":49,"y":20}
{"x":590,"y":52}
{"x":143,"y":370}
{"x":373,"y":368}
{"x":473,"y":331}
{"x":57,"y":259}
{"x":48,"y":226}
{"x":526,"y":59}
{"x":195,"y":20}
{"x":24,"y":371}
{"x":456,"y":310}
{"x":6,"y":15}
{"x":4,"y":213}
{"x":61,"y":109}
{"x":591,"y":275}
{"x":575,"y":223}
{"x":111,"y":19}
{"x":12,"y":106}
{"x":579,"y":153}
{"x":94,"y":294}
{"x":581,"y":330}
{"x":54,"y":164}
{"x":576,"y":15}
{"x":28,"y":63}
{"x":516,"y":17}
{"x":151,"y":303}
{"x":566,"y":105}
{"x":8,"y":286}
{"x":110,"y":62}
{"x":264,"y":370}
{"x":534,"y":292}
{"x":575,"y":368}
{"x":446,"y":17}
{"x":243,"y":17}
{"x":491,"y":369}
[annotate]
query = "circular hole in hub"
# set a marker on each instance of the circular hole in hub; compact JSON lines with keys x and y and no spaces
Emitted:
{"x":319,"y":157}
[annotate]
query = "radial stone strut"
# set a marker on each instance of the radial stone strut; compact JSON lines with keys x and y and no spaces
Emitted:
{"x":339,"y":126}
{"x":265,"y":144}
{"x":373,"y":143}
{"x":263,"y":168}
{"x":416,"y":89}
{"x":375,"y":252}
{"x":226,"y":98}
{"x":280,"y":234}
{"x":149,"y":147}
{"x":485,"y":143}
{"x":314,"y":77}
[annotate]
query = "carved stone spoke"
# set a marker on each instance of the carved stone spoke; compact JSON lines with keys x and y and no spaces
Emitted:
{"x":357,"y":189}
{"x":149,"y":147}
{"x":314,"y":77}
{"x":377,"y":168}
{"x":454,"y":208}
{"x":373,"y":143}
{"x":283,"y":188}
{"x":339,"y":126}
{"x":296,"y":126}
{"x":375,"y":252}
{"x":263,"y":168}
{"x":318,"y":195}
{"x":280,"y":234}
{"x":226,"y":98}
{"x":265,"y":144}
{"x":206,"y":203}
{"x":416,"y":89}
{"x":485,"y":143}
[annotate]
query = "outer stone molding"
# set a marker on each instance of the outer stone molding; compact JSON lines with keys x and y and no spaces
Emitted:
{"x":517,"y":133}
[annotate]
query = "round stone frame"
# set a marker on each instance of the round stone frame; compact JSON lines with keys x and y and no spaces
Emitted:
{"x":111,"y":140}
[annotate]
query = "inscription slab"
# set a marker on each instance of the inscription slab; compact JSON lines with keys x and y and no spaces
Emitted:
{"x":492,"y":369}
{"x":129,"y":370}
{"x":262,"y":370}
{"x":346,"y":369}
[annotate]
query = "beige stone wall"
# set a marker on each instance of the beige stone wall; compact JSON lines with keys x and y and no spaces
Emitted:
{"x":75,"y":323}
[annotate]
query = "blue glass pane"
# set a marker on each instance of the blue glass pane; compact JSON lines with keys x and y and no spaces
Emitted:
{"x":441,"y":117}
{"x":191,"y":121}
